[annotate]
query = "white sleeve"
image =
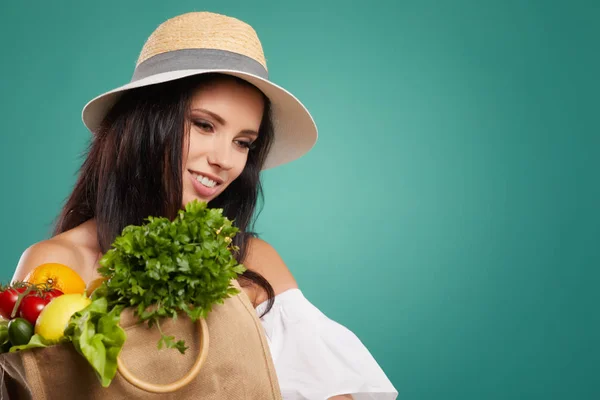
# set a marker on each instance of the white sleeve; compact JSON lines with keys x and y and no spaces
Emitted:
{"x":316,"y":357}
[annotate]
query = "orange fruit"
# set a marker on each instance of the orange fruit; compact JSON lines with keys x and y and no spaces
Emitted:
{"x":58,"y":276}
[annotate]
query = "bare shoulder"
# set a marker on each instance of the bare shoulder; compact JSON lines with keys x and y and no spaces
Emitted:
{"x":265,"y":260}
{"x":56,"y":250}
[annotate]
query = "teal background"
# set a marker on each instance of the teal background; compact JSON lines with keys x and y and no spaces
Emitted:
{"x":448,"y":214}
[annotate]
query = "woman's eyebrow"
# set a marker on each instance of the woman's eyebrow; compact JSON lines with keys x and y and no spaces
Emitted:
{"x":222,"y":121}
{"x":212,"y":114}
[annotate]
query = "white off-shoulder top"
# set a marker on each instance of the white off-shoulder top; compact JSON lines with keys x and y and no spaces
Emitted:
{"x":315,"y":357}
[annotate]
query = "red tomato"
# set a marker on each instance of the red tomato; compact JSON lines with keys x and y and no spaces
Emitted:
{"x":31,"y":307}
{"x":52,"y":293}
{"x":8,"y":298}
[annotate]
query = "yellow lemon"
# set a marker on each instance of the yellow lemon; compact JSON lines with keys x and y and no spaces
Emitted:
{"x":55,"y":316}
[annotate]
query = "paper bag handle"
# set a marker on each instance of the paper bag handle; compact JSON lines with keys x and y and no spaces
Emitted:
{"x":202,"y":328}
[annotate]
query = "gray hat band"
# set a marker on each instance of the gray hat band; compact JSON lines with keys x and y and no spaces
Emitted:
{"x":198,"y":59}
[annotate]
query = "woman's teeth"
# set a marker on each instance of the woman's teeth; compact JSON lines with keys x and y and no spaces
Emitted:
{"x":205,"y":181}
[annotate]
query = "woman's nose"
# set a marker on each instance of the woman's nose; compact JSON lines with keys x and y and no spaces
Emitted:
{"x":220,"y":153}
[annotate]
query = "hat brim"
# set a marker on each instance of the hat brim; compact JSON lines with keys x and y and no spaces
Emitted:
{"x":295,"y":130}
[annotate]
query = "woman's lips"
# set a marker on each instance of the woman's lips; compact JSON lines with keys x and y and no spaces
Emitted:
{"x":203,"y":191}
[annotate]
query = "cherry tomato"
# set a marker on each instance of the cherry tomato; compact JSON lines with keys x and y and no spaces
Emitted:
{"x":8,"y":298}
{"x":31,"y":306}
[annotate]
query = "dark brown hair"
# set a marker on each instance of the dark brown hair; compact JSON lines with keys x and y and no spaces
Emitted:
{"x":133,"y":168}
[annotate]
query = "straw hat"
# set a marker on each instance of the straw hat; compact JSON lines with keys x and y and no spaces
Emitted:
{"x":203,"y":42}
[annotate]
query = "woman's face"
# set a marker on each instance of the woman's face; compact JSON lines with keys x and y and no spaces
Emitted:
{"x":225,"y":117}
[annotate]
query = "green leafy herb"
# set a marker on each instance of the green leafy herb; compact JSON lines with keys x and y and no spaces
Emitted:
{"x":166,"y":267}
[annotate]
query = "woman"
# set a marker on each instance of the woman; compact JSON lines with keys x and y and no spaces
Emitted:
{"x":200,"y":120}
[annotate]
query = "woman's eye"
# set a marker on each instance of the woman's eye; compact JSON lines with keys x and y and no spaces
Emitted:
{"x":244,"y":144}
{"x":205,"y":126}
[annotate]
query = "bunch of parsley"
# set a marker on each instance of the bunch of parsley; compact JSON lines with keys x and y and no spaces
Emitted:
{"x":166,"y":267}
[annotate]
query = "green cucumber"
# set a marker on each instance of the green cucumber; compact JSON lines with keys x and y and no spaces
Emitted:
{"x":20,"y":331}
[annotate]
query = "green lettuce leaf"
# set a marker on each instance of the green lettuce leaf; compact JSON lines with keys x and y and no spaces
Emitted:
{"x":96,"y":335}
{"x":36,"y":341}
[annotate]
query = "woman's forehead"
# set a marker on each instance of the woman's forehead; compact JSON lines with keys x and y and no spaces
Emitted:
{"x":228,"y":96}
